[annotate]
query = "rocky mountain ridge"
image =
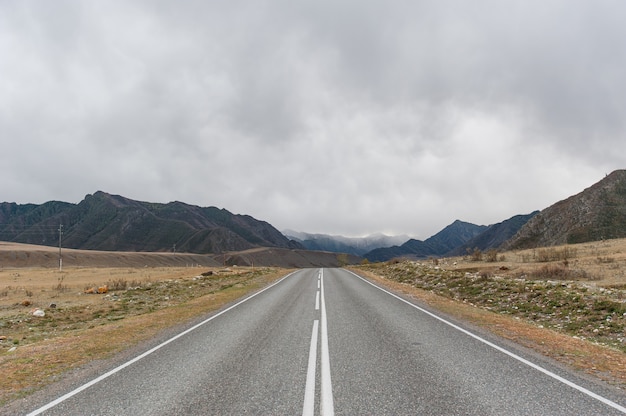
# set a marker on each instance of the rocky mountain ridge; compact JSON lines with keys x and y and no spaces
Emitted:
{"x":340,"y":244}
{"x":596,"y":213}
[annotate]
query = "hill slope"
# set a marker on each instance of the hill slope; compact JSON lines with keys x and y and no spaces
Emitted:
{"x":495,"y":235}
{"x":114,"y":223}
{"x":598,"y":212}
{"x":26,"y":255}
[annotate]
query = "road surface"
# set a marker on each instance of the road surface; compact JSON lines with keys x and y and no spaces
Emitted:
{"x":325,"y":341}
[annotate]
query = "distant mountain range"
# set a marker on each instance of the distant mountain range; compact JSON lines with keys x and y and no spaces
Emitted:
{"x":113,"y":223}
{"x":455,"y":239}
{"x":451,"y":237}
{"x":339,"y":244}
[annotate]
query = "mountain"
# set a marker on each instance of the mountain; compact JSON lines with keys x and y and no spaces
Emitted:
{"x":340,"y":244}
{"x":494,"y":236}
{"x":111,"y":222}
{"x":596,"y":213}
{"x":451,"y":237}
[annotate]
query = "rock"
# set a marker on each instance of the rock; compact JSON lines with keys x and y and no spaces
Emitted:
{"x":39,"y":312}
{"x":12,"y":349}
{"x":52,"y":306}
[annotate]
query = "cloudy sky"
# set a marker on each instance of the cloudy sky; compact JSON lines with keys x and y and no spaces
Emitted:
{"x":340,"y":117}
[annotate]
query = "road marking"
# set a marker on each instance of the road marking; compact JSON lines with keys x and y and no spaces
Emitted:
{"x":145,"y":354}
{"x":502,"y":350}
{"x":309,"y":389}
{"x":319,"y":282}
{"x":327,"y":407}
{"x":317,"y":301}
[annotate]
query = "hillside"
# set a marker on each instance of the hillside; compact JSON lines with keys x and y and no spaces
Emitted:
{"x":596,"y":213}
{"x":439,"y":244}
{"x":341,"y":244}
{"x":16,"y":255}
{"x":114,"y":223}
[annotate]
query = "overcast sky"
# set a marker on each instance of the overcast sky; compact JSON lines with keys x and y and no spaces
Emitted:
{"x":338,"y":117}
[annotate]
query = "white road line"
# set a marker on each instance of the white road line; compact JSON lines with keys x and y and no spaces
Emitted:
{"x":318,"y":283}
{"x":317,"y":301}
{"x":327,"y":407}
{"x":502,"y":350}
{"x":308,"y":408}
{"x":145,"y":354}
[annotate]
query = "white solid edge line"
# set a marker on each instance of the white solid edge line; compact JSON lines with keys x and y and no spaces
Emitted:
{"x":327,"y":407}
{"x":317,"y":301}
{"x":504,"y":351}
{"x":145,"y":354}
{"x":308,"y":409}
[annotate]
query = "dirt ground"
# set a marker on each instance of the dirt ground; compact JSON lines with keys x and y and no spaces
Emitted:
{"x":22,"y":290}
{"x":14,"y":255}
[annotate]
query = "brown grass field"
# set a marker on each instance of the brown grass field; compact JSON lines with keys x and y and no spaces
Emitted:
{"x":150,"y":292}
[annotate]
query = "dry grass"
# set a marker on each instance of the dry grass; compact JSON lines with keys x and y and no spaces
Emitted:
{"x":604,"y":262}
{"x":82,"y":327}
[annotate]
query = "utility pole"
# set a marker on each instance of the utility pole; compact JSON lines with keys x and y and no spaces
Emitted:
{"x":60,"y":258}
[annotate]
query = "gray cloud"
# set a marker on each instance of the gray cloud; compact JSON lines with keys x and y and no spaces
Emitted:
{"x":339,"y":117}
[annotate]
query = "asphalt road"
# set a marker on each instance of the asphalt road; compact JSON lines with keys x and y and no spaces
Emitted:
{"x":328,"y":342}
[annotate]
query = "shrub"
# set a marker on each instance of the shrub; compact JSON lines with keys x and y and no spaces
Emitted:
{"x":605,"y":260}
{"x":475,"y":254}
{"x":343,"y":259}
{"x":491,"y":255}
{"x":559,"y":272}
{"x":609,"y":306}
{"x":525,"y":257}
{"x":117,"y":284}
{"x":552,"y":254}
{"x":60,"y":287}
